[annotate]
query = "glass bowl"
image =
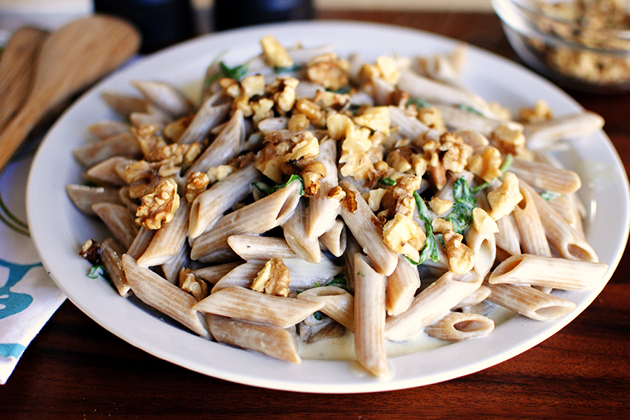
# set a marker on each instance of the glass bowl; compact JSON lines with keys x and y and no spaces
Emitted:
{"x":579,"y":44}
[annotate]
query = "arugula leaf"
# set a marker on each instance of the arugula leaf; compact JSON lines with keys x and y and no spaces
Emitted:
{"x":339,"y":281}
{"x":318,"y":315}
{"x":97,"y":271}
{"x":218,"y":74}
{"x":469,"y":108}
{"x":461,"y":213}
{"x":430,"y":245}
{"x":343,"y":90}
{"x":234,"y":72}
{"x":549,"y":195}
{"x":266,"y":190}
{"x":504,"y":168}
{"x":387,"y":181}
{"x":418,"y":102}
{"x":288,"y":69}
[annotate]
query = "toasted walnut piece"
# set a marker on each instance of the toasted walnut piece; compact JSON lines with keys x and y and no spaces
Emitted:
{"x":283,"y":93}
{"x":503,"y":200}
{"x":375,"y":118}
{"x":349,"y":201}
{"x":336,"y":193}
{"x":219,"y":173}
{"x":539,"y":113}
{"x":149,"y":140}
{"x":306,"y":149}
{"x":263,"y":109}
{"x":399,"y":98}
{"x":461,"y":258}
{"x":398,"y":199}
{"x":159,"y":206}
{"x":432,"y":118}
{"x":231,"y":87}
{"x":273,"y":279}
{"x":483,"y":222}
{"x":270,"y":159}
{"x":510,"y":140}
{"x":242,"y":103}
{"x":274,"y":53}
{"x":399,"y":160}
{"x":329,"y":71}
{"x":338,"y":126}
{"x":241,"y":161}
{"x":456,"y":152}
{"x":313,"y":112}
{"x":192,"y":284}
{"x":173,"y":131}
{"x":439,"y":205}
{"x":354,"y":153}
{"x":91,"y":251}
{"x":486,"y":165}
{"x":253,"y":85}
{"x":388,"y":69}
{"x":399,"y":234}
{"x":182,"y":155}
{"x":312,"y":173}
{"x":196,"y":183}
{"x":500,"y":112}
{"x":374,"y":198}
{"x":419,"y":164}
{"x":334,"y":100}
{"x":138,"y":171}
{"x":298,"y":122}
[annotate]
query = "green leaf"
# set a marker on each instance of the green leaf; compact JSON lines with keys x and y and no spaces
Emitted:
{"x":549,"y":195}
{"x":318,"y":315}
{"x":266,"y":190}
{"x":236,"y":73}
{"x":215,"y":76}
{"x":430,"y":245}
{"x":469,"y":108}
{"x":339,"y":281}
{"x":507,"y":163}
{"x":461,"y":213}
{"x":387,"y":181}
{"x":342,"y":91}
{"x":289,"y":69}
{"x":418,"y":102}
{"x":97,"y":271}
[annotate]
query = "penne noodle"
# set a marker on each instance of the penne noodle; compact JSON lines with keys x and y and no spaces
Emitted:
{"x":507,"y":238}
{"x":474,"y":298}
{"x":84,"y":197}
{"x":335,"y":239}
{"x":210,"y":205}
{"x":558,"y":273}
{"x":546,"y":177}
{"x":295,"y":234}
{"x":250,"y":247}
{"x":141,"y":242}
{"x":208,"y":116}
{"x":167,"y":97}
{"x":369,"y":317}
{"x":544,"y":134}
{"x":108,"y":128}
{"x":111,"y":256}
{"x":530,"y":227}
{"x":459,"y":119}
{"x":432,"y":304}
{"x":529,"y":302}
{"x":119,"y":221}
{"x":323,"y":210}
{"x":168,"y":240}
{"x":174,"y":265}
{"x":266,"y":339}
{"x":167,"y":298}
{"x":483,"y":243}
{"x":106,"y":172}
{"x":249,"y":305}
{"x":367,"y":233}
{"x":214,"y":273}
{"x":338,"y":303}
{"x":258,"y":217}
{"x":402,"y":286}
{"x":125,"y":105}
{"x":409,"y":127}
{"x":458,"y":326}
{"x":124,"y":144}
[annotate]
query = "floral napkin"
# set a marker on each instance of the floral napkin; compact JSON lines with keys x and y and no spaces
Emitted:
{"x":28,"y":296}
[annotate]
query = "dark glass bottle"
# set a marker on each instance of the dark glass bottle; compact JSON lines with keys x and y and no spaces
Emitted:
{"x":161,"y":22}
{"x":229,"y":14}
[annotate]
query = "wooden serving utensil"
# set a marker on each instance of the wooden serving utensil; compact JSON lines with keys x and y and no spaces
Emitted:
{"x":71,"y":59}
{"x":16,"y":70}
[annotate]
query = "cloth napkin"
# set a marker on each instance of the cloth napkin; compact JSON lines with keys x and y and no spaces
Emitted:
{"x":28,"y":296}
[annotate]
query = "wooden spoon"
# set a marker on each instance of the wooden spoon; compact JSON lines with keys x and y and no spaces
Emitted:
{"x":72,"y":58}
{"x":17,"y":66}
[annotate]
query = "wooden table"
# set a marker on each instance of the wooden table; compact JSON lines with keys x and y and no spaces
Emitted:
{"x":76,"y":369}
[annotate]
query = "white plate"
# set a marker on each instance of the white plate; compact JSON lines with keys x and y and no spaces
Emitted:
{"x":59,"y":230}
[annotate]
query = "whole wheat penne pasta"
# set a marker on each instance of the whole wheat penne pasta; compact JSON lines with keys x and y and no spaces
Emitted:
{"x":401,"y":286}
{"x":295,"y":234}
{"x":266,"y":339}
{"x":220,"y":256}
{"x":249,"y":305}
{"x":459,"y":119}
{"x":105,"y":173}
{"x":335,"y":239}
{"x":123,"y":144}
{"x":323,"y":210}
{"x":546,"y":177}
{"x":165,"y":96}
{"x":432,"y":304}
{"x":325,"y":329}
{"x":251,"y":247}
{"x":168,"y":240}
{"x":209,"y":114}
{"x":480,"y":238}
{"x":240,"y":276}
{"x":210,"y":205}
{"x":153,"y":116}
{"x":258,"y":217}
{"x":568,"y":206}
{"x":213,"y":274}
{"x":141,"y":242}
{"x":338,"y":303}
{"x":124,"y":105}
{"x":167,"y":298}
{"x":474,"y":298}
{"x":529,"y":302}
{"x":174,"y":265}
{"x":507,"y":238}
{"x":119,"y":220}
{"x":544,"y":134}
{"x":530,"y":227}
{"x":83,"y":197}
{"x":458,"y":326}
{"x":560,"y":235}
{"x":225,"y":147}
{"x":558,"y":273}
{"x":409,"y":127}
{"x":369,"y":317}
{"x":111,"y":256}
{"x":368,"y":234}
{"x":108,"y":128}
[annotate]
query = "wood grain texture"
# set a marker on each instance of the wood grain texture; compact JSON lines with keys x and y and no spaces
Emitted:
{"x":75,"y":369}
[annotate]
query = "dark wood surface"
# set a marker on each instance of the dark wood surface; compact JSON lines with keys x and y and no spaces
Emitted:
{"x":75,"y":369}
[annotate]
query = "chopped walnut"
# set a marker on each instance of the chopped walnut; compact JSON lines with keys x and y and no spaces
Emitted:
{"x":273,"y":279}
{"x":149,"y":139}
{"x":400,"y":159}
{"x":313,"y":112}
{"x":432,"y":118}
{"x":403,"y":235}
{"x":503,"y":200}
{"x":374,"y":198}
{"x":231,"y":87}
{"x":262,"y":109}
{"x":539,"y":113}
{"x":354,"y":152}
{"x":398,"y":199}
{"x":283,"y":93}
{"x":159,"y":206}
{"x":182,"y":155}
{"x":440,"y":205}
{"x":486,"y":165}
{"x":349,"y":201}
{"x":253,"y":86}
{"x":338,"y":126}
{"x":483,"y":222}
{"x":192,"y":284}
{"x":312,"y":173}
{"x":329,"y":71}
{"x":306,"y":149}
{"x":91,"y":251}
{"x":298,"y":122}
{"x":456,"y":152}
{"x":173,"y":131}
{"x":219,"y":173}
{"x":385,"y":68}
{"x":274,"y":53}
{"x":461,"y":258}
{"x":196,"y":183}
{"x":270,"y":159}
{"x":336,"y":193}
{"x":375,"y":118}
{"x":508,"y":139}
{"x":331,"y":100}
